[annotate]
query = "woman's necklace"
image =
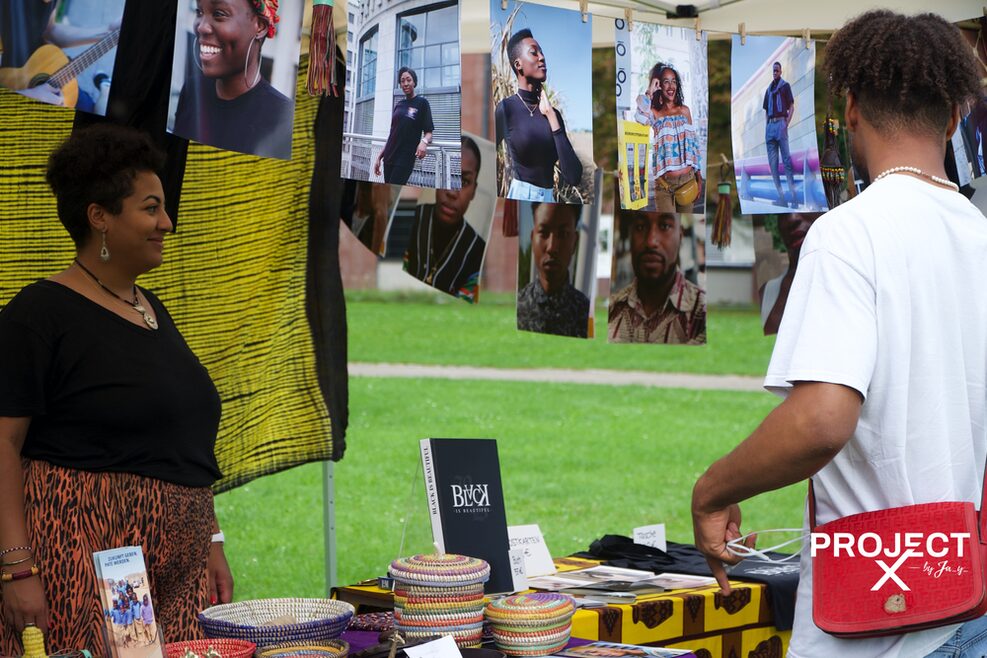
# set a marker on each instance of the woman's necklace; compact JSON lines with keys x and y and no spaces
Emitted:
{"x":918,"y":172}
{"x":531,"y":110}
{"x":136,"y":305}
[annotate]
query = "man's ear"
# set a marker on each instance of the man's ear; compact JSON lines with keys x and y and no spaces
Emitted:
{"x":851,"y":116}
{"x":954,"y":122}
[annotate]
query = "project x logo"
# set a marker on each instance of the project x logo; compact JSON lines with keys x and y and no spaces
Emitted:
{"x":894,"y":553}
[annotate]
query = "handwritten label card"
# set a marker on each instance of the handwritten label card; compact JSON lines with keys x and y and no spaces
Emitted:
{"x":537,"y":558}
{"x":651,"y":535}
{"x":518,"y":573}
{"x":444,"y":647}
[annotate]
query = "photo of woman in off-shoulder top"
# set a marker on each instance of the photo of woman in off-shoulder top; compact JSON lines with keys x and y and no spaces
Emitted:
{"x":675,"y":160}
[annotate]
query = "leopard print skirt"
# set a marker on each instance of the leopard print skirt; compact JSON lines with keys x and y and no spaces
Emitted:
{"x":71,"y":514}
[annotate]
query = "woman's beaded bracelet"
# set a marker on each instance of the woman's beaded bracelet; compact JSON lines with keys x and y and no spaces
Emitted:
{"x":16,"y":562}
{"x":15,"y":549}
{"x":20,"y":575}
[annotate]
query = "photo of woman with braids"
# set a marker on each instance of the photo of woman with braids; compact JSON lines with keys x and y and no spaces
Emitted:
{"x":224,"y":99}
{"x":539,"y":161}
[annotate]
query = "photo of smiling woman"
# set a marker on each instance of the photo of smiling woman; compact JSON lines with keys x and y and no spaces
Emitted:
{"x":675,"y":161}
{"x":543,"y":153}
{"x":411,"y":132}
{"x":221,"y":94}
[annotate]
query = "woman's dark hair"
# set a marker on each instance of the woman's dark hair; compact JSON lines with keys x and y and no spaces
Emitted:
{"x":410,"y":71}
{"x":658,"y":99}
{"x":468,"y":143}
{"x":905,"y":72}
{"x":98,"y":165}
{"x":655,"y":72}
{"x":514,"y":45}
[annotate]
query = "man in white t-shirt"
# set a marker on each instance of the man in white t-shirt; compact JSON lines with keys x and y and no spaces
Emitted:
{"x":882,"y":351}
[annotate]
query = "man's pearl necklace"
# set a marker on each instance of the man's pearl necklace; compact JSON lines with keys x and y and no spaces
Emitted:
{"x":915,"y":170}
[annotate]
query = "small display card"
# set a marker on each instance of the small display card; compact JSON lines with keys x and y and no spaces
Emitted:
{"x":444,"y":647}
{"x":537,"y":558}
{"x":651,"y":535}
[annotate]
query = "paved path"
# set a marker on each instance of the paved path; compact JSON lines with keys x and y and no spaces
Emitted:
{"x":559,"y":375}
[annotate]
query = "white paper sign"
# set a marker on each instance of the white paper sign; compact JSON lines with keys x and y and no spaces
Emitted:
{"x":444,"y":647}
{"x":518,"y":573}
{"x":537,"y":558}
{"x":651,"y":535}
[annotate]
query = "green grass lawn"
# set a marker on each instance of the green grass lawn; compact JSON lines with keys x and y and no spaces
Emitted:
{"x":581,"y":461}
{"x":427,"y":329}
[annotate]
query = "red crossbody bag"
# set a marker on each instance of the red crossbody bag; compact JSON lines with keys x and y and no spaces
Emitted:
{"x":898,"y":570}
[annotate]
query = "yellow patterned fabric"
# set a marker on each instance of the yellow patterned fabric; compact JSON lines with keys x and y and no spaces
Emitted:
{"x":234,"y":277}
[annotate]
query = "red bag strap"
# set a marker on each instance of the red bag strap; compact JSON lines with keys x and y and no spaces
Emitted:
{"x":980,"y":515}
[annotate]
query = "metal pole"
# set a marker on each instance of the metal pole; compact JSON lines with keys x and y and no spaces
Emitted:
{"x":329,"y":523}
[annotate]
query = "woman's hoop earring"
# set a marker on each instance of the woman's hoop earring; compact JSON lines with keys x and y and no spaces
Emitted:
{"x":246,"y":66}
{"x":195,"y":53}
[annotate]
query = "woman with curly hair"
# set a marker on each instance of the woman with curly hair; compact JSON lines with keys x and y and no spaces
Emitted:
{"x":107,"y":419}
{"x":676,"y":158}
{"x":230,"y":105}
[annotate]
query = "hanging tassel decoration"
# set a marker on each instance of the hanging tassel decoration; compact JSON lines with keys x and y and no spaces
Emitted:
{"x":509,"y":229}
{"x":724,"y":210}
{"x":322,"y":51}
{"x":830,"y":164}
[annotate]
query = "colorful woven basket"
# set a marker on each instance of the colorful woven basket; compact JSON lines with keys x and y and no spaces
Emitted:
{"x":535,"y":624}
{"x":226,"y":648}
{"x":440,"y":594}
{"x":268,"y":622}
{"x":326,"y":649}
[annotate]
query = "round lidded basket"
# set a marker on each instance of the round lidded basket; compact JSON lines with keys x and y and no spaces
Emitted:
{"x":274,"y":621}
{"x":225,"y":647}
{"x":535,"y":624}
{"x":440,"y":595}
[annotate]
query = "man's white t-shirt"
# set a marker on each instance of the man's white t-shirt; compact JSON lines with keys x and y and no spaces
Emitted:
{"x":889,"y":299}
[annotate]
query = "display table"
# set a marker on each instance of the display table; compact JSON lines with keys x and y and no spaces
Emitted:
{"x":699,"y":619}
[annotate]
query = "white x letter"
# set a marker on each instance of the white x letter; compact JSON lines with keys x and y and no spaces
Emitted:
{"x":889,"y":572}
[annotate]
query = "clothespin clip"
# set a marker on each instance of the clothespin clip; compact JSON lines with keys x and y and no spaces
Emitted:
{"x":699,"y":29}
{"x":742,"y":28}
{"x":629,"y":17}
{"x":584,"y":9}
{"x":503,"y":5}
{"x":805,"y":37}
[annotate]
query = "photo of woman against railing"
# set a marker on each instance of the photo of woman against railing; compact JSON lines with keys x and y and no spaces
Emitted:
{"x":411,"y":132}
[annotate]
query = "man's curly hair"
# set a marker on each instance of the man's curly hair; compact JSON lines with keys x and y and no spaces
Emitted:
{"x":906,"y":72}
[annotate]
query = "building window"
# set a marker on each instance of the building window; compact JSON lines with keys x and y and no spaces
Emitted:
{"x":428,"y":42}
{"x":367,"y":80}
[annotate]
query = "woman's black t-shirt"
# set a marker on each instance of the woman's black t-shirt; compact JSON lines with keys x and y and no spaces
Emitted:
{"x":409,"y":120}
{"x":104,"y":394}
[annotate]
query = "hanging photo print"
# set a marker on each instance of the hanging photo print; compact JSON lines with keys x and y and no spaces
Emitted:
{"x":542,"y":92}
{"x":366,"y":209}
{"x":234,"y":74}
{"x":775,"y":152}
{"x":556,"y":275}
{"x":662,"y":117}
{"x":968,"y":140}
{"x":60,"y":52}
{"x":449,"y":237}
{"x":777,"y":243}
{"x":658,"y":278}
{"x":402,"y":120}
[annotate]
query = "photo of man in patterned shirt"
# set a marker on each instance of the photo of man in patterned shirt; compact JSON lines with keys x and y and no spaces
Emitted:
{"x":660,"y":305}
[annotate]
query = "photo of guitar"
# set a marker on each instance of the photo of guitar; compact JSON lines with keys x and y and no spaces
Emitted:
{"x":49,"y":65}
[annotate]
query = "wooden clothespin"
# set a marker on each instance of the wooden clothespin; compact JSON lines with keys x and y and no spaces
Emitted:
{"x":584,"y":9}
{"x":805,"y":37}
{"x":629,"y":18}
{"x":699,"y":29}
{"x":503,"y":5}
{"x":742,"y":28}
